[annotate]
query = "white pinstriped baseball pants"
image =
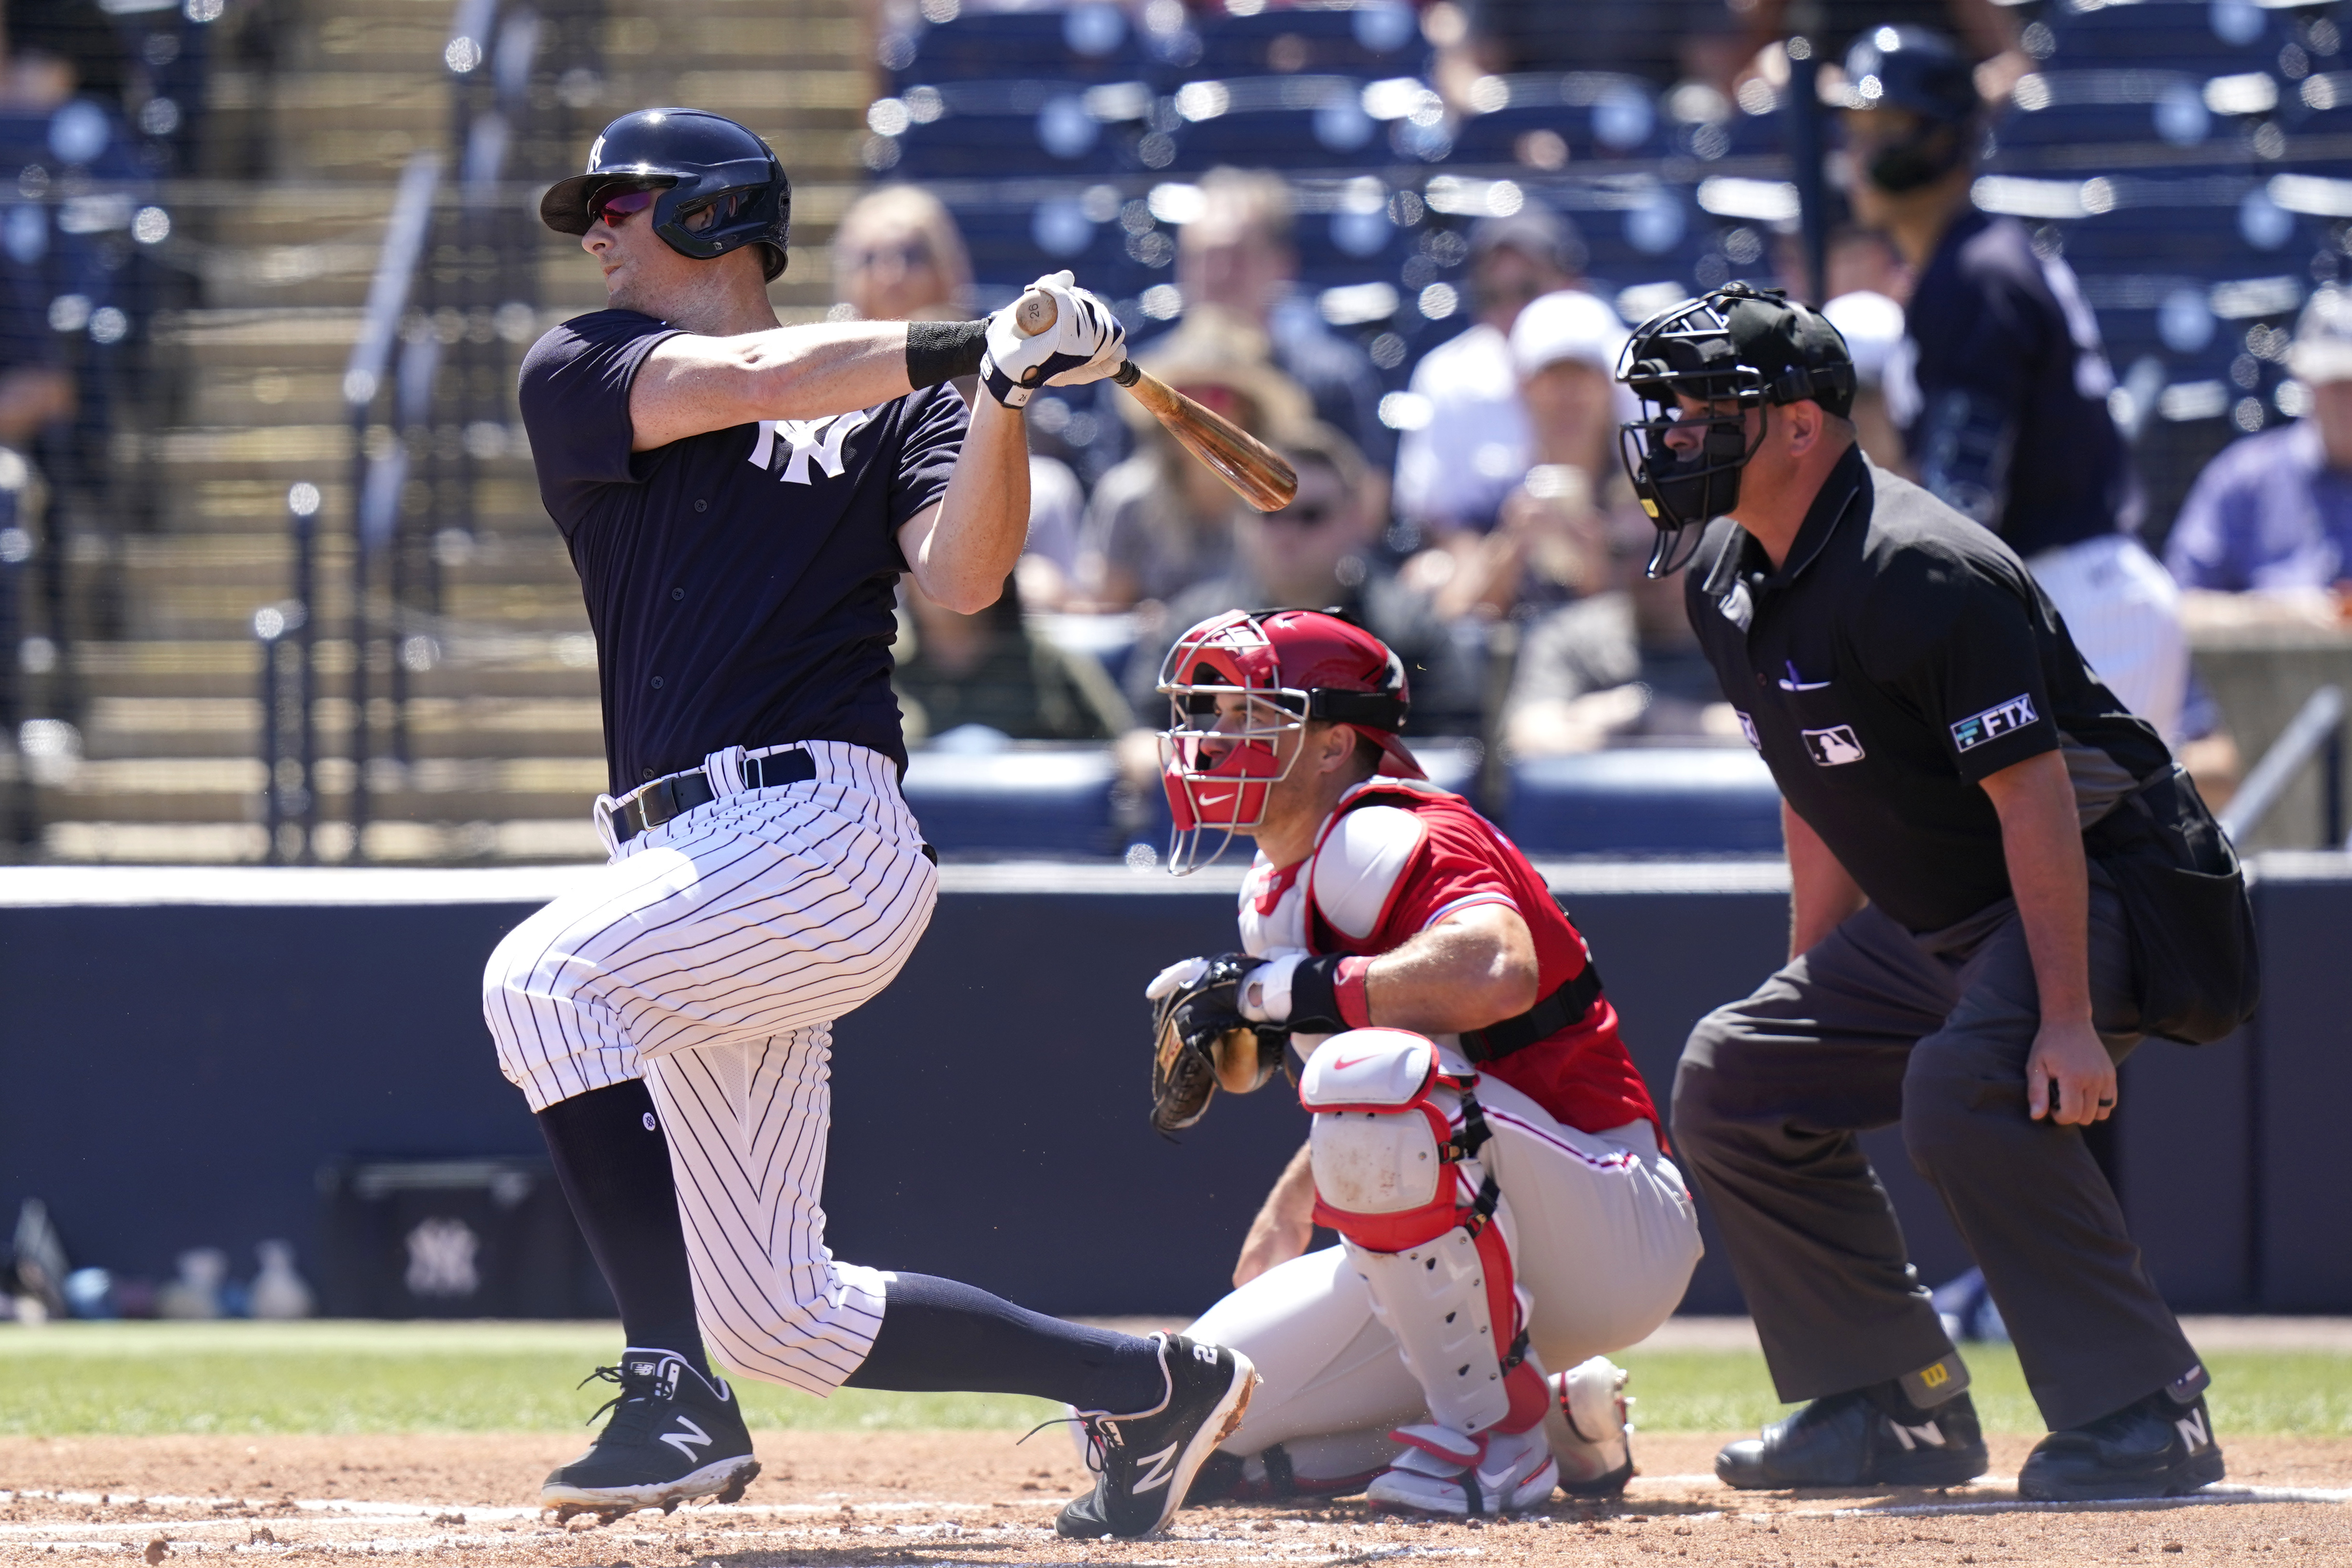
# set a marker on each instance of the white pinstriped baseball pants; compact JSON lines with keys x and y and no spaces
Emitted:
{"x":2123,"y":610}
{"x":712,"y":955}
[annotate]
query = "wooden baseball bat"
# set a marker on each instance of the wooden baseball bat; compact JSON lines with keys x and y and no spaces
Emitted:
{"x":1251,"y":469}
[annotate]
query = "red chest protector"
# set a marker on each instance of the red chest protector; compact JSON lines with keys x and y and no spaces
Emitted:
{"x":1376,"y":879}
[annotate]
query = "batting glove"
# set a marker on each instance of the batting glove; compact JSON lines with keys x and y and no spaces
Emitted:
{"x":1085,"y":343}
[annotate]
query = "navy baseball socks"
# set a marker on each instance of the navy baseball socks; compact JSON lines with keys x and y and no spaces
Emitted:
{"x":614,"y":1164}
{"x":1151,"y":1409}
{"x":675,"y":1435}
{"x":1917,"y":1430}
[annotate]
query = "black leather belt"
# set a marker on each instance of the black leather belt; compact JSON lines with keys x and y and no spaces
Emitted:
{"x":673,"y":796}
{"x":1547,"y":1018}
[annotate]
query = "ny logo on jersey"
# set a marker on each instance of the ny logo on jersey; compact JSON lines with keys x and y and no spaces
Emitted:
{"x":821,"y":439}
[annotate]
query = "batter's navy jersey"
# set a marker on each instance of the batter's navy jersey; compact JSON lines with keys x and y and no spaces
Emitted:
{"x":2001,"y":392}
{"x":1898,"y":656}
{"x":741,"y":582}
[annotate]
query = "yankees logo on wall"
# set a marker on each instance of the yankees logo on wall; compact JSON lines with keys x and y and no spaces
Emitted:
{"x":806,"y":439}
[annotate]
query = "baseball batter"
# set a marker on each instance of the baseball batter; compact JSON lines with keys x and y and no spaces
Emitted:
{"x":739,"y":499}
{"x":1481,"y":1141}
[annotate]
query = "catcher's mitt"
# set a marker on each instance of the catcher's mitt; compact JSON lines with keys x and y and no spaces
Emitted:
{"x":1201,"y":1041}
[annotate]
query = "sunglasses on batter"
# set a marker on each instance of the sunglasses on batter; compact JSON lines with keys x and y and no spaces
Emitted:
{"x":611,"y":206}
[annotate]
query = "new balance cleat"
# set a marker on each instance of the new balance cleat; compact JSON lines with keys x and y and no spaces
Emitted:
{"x":1144,"y":1463}
{"x":675,"y":1435}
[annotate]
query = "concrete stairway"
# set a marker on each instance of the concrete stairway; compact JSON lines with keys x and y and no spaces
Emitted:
{"x":505,"y":745}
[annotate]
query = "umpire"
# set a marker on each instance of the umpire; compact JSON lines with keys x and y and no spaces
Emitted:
{"x":1957,"y":962}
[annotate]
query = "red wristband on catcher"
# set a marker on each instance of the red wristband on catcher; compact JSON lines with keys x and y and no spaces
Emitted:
{"x":1350,"y":986}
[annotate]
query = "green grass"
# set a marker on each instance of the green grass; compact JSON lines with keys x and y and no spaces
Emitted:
{"x":474,"y":1377}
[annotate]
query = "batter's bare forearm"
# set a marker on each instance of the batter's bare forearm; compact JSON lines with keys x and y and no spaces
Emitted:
{"x":1821,"y":894}
{"x":962,"y":550}
{"x":2041,"y":841}
{"x":690,"y":384}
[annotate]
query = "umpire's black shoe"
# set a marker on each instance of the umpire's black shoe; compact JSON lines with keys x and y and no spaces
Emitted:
{"x":2159,"y":1447}
{"x":1851,"y":1440}
{"x":1144,"y":1463}
{"x":673,"y":1435}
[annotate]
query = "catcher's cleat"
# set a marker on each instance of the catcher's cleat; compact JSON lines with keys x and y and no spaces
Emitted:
{"x":1587,"y":1430}
{"x":1442,"y":1471}
{"x":1144,"y":1463}
{"x":2161,"y":1445}
{"x":1851,"y":1440}
{"x":674,"y":1436}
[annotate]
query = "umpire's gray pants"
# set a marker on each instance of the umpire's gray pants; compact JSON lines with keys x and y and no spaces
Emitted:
{"x":1876,"y":1026}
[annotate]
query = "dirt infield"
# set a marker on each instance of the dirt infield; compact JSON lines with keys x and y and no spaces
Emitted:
{"x":962,"y":1499}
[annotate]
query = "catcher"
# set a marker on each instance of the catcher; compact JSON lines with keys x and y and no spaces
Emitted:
{"x":1481,"y":1141}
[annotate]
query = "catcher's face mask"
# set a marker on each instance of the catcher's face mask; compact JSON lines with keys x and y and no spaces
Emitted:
{"x":1232,"y":735}
{"x":1242,"y":688}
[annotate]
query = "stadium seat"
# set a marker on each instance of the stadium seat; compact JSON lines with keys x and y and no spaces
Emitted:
{"x":1645,"y":801}
{"x":2204,"y":36}
{"x":1595,"y":115}
{"x":1027,"y":798}
{"x":1289,"y":122}
{"x":1025,"y":125}
{"x":1372,"y":40}
{"x":1085,"y":43}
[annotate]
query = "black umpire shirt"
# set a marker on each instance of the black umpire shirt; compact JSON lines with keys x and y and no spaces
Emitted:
{"x":2003,"y":400}
{"x":1899,"y":655}
{"x":742,"y":582}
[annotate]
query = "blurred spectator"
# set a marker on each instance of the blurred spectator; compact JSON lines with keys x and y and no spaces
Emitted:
{"x":1318,"y":552}
{"x":898,"y":256}
{"x":2000,"y":385}
{"x":1160,"y":521}
{"x":1453,"y":473}
{"x":1621,"y":666}
{"x":989,"y":670}
{"x":1872,"y":325}
{"x":1984,"y":25}
{"x":2272,"y":515}
{"x":1238,"y":255}
{"x":58,"y":48}
{"x":1550,"y":543}
{"x":1661,"y":41}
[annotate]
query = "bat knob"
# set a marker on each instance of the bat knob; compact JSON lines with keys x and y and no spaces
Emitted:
{"x":1033,"y":314}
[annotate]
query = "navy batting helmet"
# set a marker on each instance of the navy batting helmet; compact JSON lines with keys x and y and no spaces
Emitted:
{"x":720,"y":186}
{"x":1924,"y":74}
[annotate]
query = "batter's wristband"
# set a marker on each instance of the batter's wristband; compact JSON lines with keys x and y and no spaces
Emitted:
{"x":1327,"y":994}
{"x":941,"y":351}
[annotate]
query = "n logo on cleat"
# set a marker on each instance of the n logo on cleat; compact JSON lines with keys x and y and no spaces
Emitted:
{"x":1158,"y":1470}
{"x":2193,"y":1430}
{"x":683,"y":1443}
{"x":1911,"y":1438}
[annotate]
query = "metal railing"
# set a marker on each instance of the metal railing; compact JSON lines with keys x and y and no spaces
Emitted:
{"x":2316,"y":730}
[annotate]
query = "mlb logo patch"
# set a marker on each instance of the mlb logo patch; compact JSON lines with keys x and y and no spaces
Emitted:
{"x":1993,"y":722}
{"x":1834,"y":747}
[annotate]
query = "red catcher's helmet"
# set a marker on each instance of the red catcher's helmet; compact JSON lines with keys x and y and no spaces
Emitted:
{"x":1292,"y":666}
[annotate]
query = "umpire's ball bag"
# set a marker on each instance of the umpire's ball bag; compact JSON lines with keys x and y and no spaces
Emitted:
{"x":2196,"y":969}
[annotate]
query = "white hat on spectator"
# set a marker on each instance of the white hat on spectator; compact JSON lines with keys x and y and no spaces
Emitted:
{"x":2323,"y":338}
{"x":1871,"y":324}
{"x":1566,"y":326}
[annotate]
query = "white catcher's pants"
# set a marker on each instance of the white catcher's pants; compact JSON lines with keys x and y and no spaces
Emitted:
{"x":1606,"y":1237}
{"x":2123,"y":610}
{"x":711,"y":956}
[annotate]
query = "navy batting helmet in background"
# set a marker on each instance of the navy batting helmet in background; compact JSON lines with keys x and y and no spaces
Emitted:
{"x":721,"y":187}
{"x":1924,"y":74}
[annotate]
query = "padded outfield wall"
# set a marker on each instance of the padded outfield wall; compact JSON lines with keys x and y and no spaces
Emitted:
{"x":187,"y":1050}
